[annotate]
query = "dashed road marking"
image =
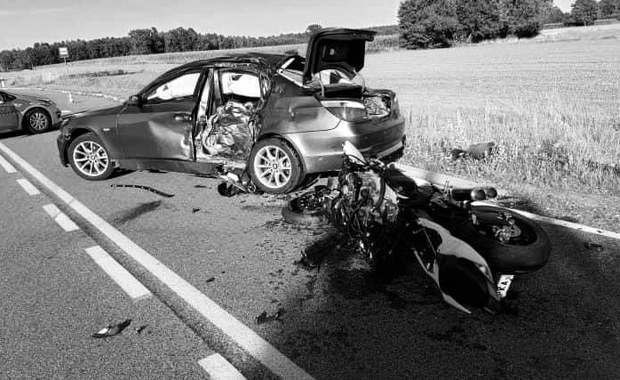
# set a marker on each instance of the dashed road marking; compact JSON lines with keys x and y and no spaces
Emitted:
{"x":7,"y":165}
{"x":28,"y":187}
{"x":59,"y":217}
{"x":134,"y":288}
{"x":219,"y":368}
{"x":252,"y":343}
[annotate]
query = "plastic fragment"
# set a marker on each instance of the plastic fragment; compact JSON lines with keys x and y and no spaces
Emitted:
{"x":112,"y":330}
{"x":264,"y":317}
{"x":593,"y":246}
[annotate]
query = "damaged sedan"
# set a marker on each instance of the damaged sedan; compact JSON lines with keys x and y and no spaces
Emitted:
{"x":276,"y":119}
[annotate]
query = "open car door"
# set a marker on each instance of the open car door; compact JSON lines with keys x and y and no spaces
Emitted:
{"x":226,"y":127}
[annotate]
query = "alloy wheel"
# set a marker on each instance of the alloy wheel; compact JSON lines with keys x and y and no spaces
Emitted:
{"x":90,"y":158}
{"x":273,"y":167}
{"x":38,"y":121}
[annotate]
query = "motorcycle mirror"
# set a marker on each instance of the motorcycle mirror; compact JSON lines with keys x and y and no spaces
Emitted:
{"x":351,"y":151}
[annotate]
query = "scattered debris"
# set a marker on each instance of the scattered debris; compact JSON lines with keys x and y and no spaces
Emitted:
{"x":160,"y":193}
{"x":593,"y":246}
{"x":476,"y":151}
{"x":305,"y":262}
{"x":141,"y":328}
{"x":265,"y":318}
{"x":211,"y":279}
{"x":112,"y":330}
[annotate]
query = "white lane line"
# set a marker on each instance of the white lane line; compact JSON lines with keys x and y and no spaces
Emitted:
{"x":574,"y":226}
{"x":219,"y":368}
{"x":59,"y":217}
{"x":28,"y":187}
{"x":242,"y":335}
{"x":7,"y":165}
{"x":134,"y":288}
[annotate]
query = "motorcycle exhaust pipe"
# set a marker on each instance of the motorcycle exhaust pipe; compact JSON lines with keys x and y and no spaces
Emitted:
{"x":473,"y":194}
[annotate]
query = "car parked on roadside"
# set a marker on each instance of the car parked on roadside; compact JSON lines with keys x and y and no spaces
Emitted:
{"x":33,"y":114}
{"x":281,"y":118}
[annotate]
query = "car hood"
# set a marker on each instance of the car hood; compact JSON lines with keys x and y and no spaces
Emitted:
{"x":341,"y":49}
{"x":96,"y":112}
{"x":32,"y":98}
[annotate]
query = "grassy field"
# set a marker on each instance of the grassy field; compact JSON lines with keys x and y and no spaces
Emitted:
{"x":551,"y":105}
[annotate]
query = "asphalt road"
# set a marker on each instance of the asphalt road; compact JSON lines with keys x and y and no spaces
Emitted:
{"x":334,"y":321}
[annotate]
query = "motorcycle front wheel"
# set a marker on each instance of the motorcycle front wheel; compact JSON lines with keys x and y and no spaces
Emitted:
{"x":510,"y":242}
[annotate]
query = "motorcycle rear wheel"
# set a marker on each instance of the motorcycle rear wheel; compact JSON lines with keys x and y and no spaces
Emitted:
{"x":527,"y":251}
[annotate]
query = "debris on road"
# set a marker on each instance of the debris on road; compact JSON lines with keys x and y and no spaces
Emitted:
{"x":148,"y":188}
{"x":112,"y":330}
{"x":593,"y":246}
{"x":211,"y":279}
{"x":264,"y":317}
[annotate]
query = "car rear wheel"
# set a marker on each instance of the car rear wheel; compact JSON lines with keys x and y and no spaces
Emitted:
{"x":37,"y":121}
{"x":275,"y":168}
{"x":89,"y":158}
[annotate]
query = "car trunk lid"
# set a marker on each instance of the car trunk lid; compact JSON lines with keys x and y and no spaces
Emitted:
{"x":340,"y":49}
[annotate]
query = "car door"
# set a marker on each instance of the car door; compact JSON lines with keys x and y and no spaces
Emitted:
{"x":159,"y":127}
{"x":225,"y":130}
{"x":8,"y":113}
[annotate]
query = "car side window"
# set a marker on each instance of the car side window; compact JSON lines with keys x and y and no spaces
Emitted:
{"x":177,"y":88}
{"x":240,"y":85}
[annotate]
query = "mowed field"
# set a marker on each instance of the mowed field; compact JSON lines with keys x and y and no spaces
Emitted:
{"x":551,"y":106}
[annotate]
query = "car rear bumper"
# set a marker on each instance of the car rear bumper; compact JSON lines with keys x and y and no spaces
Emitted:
{"x":322,"y":151}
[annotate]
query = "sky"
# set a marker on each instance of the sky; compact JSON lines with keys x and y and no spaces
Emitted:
{"x":25,"y":22}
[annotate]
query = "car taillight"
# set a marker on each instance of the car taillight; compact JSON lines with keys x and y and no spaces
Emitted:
{"x":348,"y":110}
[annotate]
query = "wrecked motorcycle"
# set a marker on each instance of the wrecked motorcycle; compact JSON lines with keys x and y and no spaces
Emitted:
{"x":470,"y":249}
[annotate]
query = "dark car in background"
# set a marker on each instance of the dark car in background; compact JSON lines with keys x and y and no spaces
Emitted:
{"x":280,"y":117}
{"x":33,"y":114}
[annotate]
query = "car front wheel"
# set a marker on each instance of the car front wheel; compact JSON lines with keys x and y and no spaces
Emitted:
{"x":37,"y":121}
{"x":275,"y":168}
{"x":89,"y":158}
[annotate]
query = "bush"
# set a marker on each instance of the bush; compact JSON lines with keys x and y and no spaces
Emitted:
{"x":427,"y":23}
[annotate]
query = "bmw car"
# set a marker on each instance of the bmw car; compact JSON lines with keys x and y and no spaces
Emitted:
{"x":32,"y":114}
{"x":279,"y":119}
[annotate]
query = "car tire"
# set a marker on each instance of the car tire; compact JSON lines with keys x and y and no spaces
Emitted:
{"x":37,"y":121}
{"x":89,"y":158}
{"x":275,"y":168}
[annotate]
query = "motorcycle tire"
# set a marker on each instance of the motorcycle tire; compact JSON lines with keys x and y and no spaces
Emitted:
{"x":303,"y":218}
{"x":524,"y":254}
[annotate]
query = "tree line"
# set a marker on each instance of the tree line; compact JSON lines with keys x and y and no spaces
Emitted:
{"x":442,"y":23}
{"x":149,"y":41}
{"x":586,"y":12}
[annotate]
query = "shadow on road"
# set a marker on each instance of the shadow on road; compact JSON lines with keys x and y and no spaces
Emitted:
{"x":353,"y":321}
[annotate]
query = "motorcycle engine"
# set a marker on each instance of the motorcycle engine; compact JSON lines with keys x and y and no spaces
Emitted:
{"x":361,"y":191}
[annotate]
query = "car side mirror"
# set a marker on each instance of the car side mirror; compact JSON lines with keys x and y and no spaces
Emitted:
{"x":134,"y":100}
